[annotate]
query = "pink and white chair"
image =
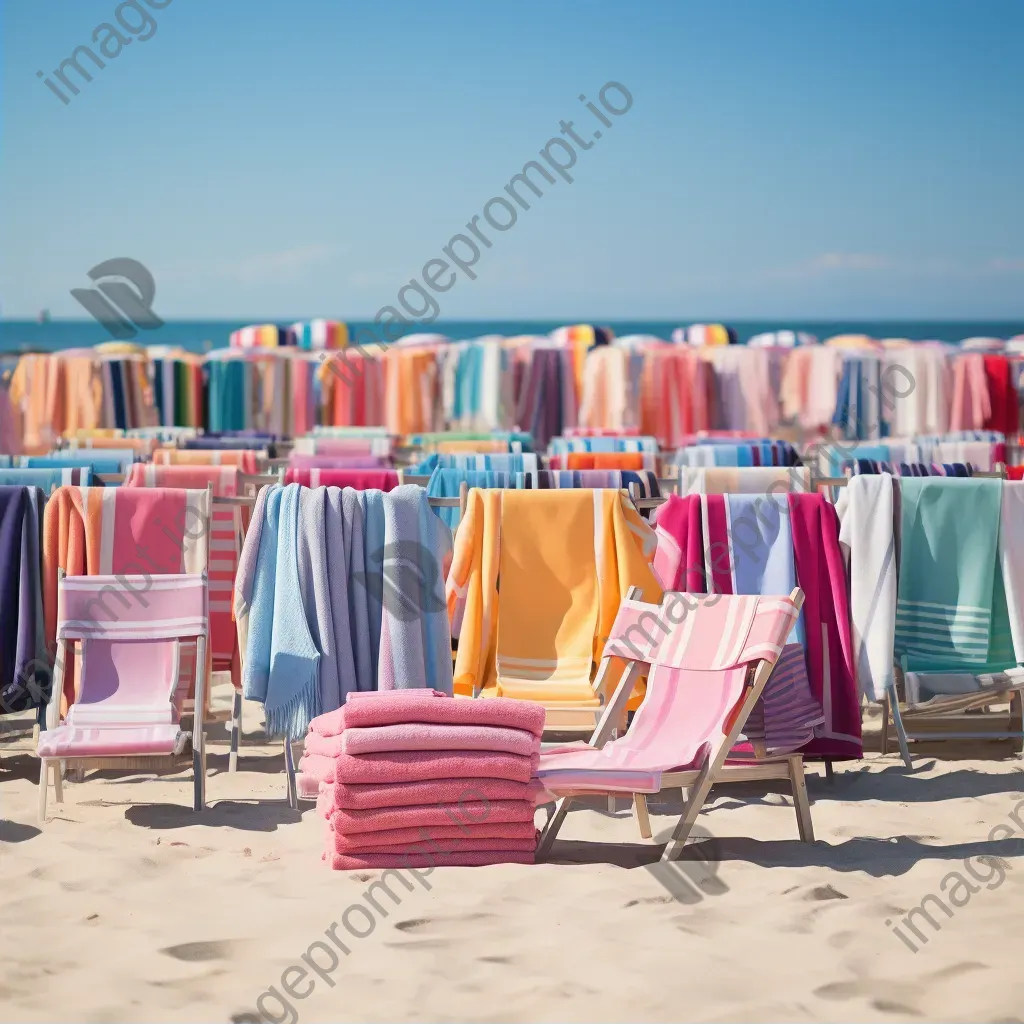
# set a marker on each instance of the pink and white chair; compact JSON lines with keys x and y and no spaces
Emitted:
{"x":706,"y":670}
{"x":138,"y":642}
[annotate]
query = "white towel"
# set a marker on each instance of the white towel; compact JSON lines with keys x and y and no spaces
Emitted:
{"x":868,"y":538}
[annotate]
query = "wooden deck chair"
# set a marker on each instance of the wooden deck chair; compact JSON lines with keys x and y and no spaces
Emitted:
{"x":128,"y":710}
{"x":705,"y":673}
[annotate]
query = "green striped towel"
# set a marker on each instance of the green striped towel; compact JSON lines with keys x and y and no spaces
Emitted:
{"x":951,"y":609}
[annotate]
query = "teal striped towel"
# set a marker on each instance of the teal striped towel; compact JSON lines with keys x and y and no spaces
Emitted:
{"x":951,"y":612}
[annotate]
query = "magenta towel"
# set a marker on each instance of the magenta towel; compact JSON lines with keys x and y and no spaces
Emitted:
{"x":424,"y":736}
{"x":359,"y":479}
{"x":474,"y":809}
{"x":821,"y":575}
{"x":416,"y":765}
{"x":334,"y":797}
{"x":679,"y":559}
{"x":449,"y":837}
{"x":296,"y":461}
{"x":343,"y":862}
{"x":395,"y":707}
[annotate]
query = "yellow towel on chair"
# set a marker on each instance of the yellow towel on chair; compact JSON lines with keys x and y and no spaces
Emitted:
{"x":562,"y":560}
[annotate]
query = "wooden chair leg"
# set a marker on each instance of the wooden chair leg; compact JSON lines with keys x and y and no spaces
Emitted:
{"x":58,"y":783}
{"x":901,"y":734}
{"x":236,"y":731}
{"x":885,"y":727}
{"x":800,"y":799}
{"x":643,"y":819}
{"x":44,"y":771}
{"x":547,"y":837}
{"x":698,"y":795}
{"x":289,"y":769}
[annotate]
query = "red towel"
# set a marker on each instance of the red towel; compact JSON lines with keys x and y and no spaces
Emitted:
{"x":360,"y":479}
{"x":1002,"y":395}
{"x":519,"y":835}
{"x":335,"y":797}
{"x":417,"y":765}
{"x":393,"y":707}
{"x":475,"y":809}
{"x":341,"y":862}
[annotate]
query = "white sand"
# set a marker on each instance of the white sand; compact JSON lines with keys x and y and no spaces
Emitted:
{"x":126,"y":906}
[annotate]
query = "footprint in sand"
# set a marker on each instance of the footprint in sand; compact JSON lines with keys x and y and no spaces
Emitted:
{"x":193,"y":952}
{"x":826,"y":892}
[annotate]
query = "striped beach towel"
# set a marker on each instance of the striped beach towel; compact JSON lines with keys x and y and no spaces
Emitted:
{"x":951,"y":612}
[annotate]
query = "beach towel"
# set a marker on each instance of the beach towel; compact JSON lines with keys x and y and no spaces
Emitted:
{"x":46,"y":479}
{"x":763,"y":480}
{"x":24,"y":667}
{"x":415,"y":640}
{"x":433,"y":793}
{"x":867,"y":509}
{"x":418,"y":765}
{"x":427,"y":706}
{"x":430,"y":859}
{"x":821,"y":575}
{"x":360,"y":479}
{"x":104,"y":462}
{"x":226,"y":532}
{"x":244,"y":459}
{"x":951,"y":611}
{"x":566,"y":558}
{"x":281,"y":669}
{"x":471,"y":836}
{"x":422,"y":736}
{"x":475,"y":808}
{"x":680,"y":558}
{"x":245,"y":574}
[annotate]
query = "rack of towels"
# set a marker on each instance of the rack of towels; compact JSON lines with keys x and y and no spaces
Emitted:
{"x":340,"y":591}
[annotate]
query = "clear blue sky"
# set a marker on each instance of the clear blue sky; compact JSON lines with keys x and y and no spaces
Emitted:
{"x":264,"y":158}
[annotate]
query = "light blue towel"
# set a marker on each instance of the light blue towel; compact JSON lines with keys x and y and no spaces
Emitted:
{"x":762,"y":549}
{"x":372,"y":504}
{"x":45,"y":479}
{"x":447,"y":483}
{"x":293,"y":688}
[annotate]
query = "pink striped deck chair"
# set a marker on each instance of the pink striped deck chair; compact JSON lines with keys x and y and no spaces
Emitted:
{"x":127,"y":635}
{"x":707,"y":662}
{"x":227,"y":529}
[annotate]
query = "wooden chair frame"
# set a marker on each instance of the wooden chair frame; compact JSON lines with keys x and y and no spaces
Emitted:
{"x":698,"y":782}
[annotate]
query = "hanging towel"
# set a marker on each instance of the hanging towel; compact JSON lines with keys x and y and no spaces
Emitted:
{"x":679,"y":562}
{"x":46,"y":479}
{"x":415,"y":639}
{"x":867,"y":510}
{"x":763,"y":480}
{"x":361,"y":479}
{"x":826,"y":616}
{"x":951,"y":612}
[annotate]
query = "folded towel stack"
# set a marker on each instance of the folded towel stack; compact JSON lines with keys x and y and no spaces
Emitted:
{"x":415,"y":778}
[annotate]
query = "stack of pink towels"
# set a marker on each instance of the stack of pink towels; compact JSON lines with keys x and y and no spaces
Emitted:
{"x":415,"y":778}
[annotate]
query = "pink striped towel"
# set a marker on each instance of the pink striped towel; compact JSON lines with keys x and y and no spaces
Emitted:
{"x":424,"y":736}
{"x":334,"y":797}
{"x":474,"y":809}
{"x":450,"y":837}
{"x":360,"y":479}
{"x":416,"y":765}
{"x":342,"y":862}
{"x":395,"y":707}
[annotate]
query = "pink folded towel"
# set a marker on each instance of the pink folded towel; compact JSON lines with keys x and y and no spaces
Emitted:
{"x":343,"y":862}
{"x":509,"y":836}
{"x":395,"y":707}
{"x":334,"y":797}
{"x":474,"y":810}
{"x":424,"y":736}
{"x":416,"y":765}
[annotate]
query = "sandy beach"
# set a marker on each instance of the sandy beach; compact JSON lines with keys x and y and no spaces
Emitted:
{"x":127,"y":906}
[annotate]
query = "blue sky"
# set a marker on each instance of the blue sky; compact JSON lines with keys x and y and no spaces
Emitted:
{"x":270,"y":159}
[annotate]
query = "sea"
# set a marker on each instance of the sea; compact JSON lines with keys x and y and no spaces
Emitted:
{"x":202,"y":335}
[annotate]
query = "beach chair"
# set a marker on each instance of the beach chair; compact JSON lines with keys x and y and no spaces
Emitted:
{"x":705,"y":674}
{"x":127,"y":635}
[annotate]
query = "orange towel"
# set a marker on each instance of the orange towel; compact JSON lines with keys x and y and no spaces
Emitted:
{"x":605,"y":460}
